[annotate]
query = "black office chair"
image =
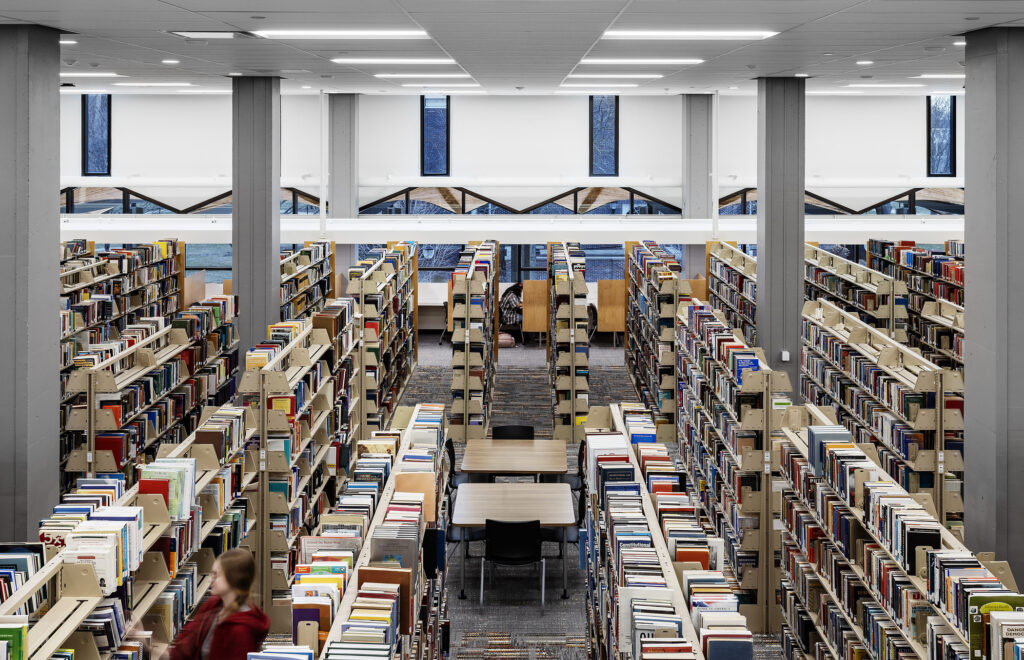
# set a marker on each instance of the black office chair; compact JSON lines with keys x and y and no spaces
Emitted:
{"x":512,"y":432}
{"x":554,"y":534}
{"x":512,"y":544}
{"x":463,"y":535}
{"x":456,"y":478}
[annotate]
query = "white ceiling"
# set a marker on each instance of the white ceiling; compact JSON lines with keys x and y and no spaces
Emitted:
{"x":511,"y":44}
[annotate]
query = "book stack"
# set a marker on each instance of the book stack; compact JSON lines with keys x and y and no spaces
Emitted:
{"x":14,"y":637}
{"x":732,"y":287}
{"x":474,"y":305}
{"x":18,"y":563}
{"x":281,"y":652}
{"x":337,"y":320}
{"x":307,"y":279}
{"x":568,"y":339}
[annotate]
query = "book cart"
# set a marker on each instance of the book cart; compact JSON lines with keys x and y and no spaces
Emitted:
{"x":143,"y":379}
{"x":732,"y":286}
{"x":423,"y":600}
{"x":98,"y":300}
{"x":879,"y":300}
{"x":164,"y":586}
{"x":653,"y":291}
{"x":931,"y":277}
{"x":888,"y":395}
{"x":385,"y":288}
{"x":732,"y":405}
{"x":307,"y":279}
{"x":473,"y":291}
{"x":613,"y":628}
{"x":851,"y":587}
{"x":568,"y":340}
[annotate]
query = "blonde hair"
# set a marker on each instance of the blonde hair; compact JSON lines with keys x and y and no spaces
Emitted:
{"x":239,"y":570}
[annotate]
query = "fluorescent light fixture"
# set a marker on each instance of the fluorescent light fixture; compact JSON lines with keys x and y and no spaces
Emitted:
{"x":687,"y":35}
{"x":442,"y":84}
{"x":942,"y":76}
{"x":342,"y":34}
{"x":830,"y":92}
{"x":74,"y":90}
{"x":865,"y":62}
{"x":885,"y":85}
{"x":800,"y":75}
{"x":635,"y":76}
{"x":170,"y":61}
{"x":594,"y":92}
{"x":307,"y":87}
{"x":641,"y":60}
{"x":421,"y":75}
{"x":204,"y":91}
{"x":955,"y":43}
{"x":67,"y":42}
{"x":154,"y":84}
{"x":234,"y":74}
{"x":205,"y":35}
{"x":89,"y":74}
{"x":446,"y":92}
{"x":733,"y":87}
{"x":603,"y":85}
{"x":393,"y":60}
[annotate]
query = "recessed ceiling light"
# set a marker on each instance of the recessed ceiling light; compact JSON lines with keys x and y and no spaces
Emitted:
{"x":89,"y":74}
{"x":828,"y":92}
{"x":595,"y":92}
{"x":437,"y":84}
{"x":800,"y":75}
{"x":828,"y":54}
{"x":636,"y":76}
{"x":307,"y":87}
{"x":154,"y":84}
{"x":204,"y":91}
{"x":642,"y":60}
{"x":393,"y":60}
{"x":76,"y":90}
{"x":205,"y":35}
{"x":421,"y":75}
{"x":603,"y":85}
{"x":942,"y":76}
{"x":67,"y":42}
{"x":750,"y":35}
{"x":955,"y":43}
{"x":342,"y":34}
{"x":885,"y":85}
{"x":234,"y":73}
{"x":951,"y":92}
{"x":446,"y":92}
{"x":865,"y":62}
{"x":170,"y":61}
{"x":733,"y":87}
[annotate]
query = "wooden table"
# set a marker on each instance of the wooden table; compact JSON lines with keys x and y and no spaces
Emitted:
{"x":514,"y":457}
{"x":551,"y":504}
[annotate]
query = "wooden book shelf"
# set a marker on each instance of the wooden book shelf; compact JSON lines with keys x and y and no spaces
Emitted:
{"x":307,"y":279}
{"x":732,"y":286}
{"x":568,"y":340}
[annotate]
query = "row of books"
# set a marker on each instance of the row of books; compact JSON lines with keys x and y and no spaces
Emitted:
{"x":732,"y":291}
{"x":568,"y":343}
{"x":474,"y":299}
{"x":306,"y":279}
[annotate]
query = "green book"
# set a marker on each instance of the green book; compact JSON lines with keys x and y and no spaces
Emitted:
{"x":14,"y":634}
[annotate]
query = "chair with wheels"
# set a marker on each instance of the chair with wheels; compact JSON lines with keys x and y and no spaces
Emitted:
{"x":512,"y":544}
{"x":512,"y":432}
{"x":462,"y":535}
{"x":554,"y":535}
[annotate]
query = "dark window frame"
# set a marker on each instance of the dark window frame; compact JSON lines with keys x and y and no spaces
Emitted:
{"x":447,"y":136}
{"x":590,"y":121}
{"x":110,"y":131}
{"x":952,"y":136}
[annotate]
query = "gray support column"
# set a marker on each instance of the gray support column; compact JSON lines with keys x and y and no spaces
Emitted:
{"x":994,"y":417}
{"x":343,"y":138}
{"x":699,"y":191}
{"x":696,"y":260}
{"x":780,"y":221}
{"x":256,"y":208}
{"x":29,"y":240}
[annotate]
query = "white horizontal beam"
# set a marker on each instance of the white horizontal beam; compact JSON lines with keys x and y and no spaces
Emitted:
{"x":509,"y":228}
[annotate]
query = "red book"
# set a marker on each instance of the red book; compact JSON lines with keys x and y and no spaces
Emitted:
{"x":156,"y":487}
{"x":114,"y":443}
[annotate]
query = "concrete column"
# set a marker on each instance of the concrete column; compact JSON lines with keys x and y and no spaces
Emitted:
{"x":343,"y":138}
{"x":696,"y":261}
{"x":29,"y":238}
{"x":699,"y":187}
{"x":994,"y":417}
{"x":780,"y":222}
{"x":256,"y":208}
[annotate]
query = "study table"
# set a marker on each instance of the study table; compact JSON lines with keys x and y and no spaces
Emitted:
{"x":489,"y":456}
{"x":551,"y":504}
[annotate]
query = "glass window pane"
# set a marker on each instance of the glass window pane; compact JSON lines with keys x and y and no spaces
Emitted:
{"x":604,"y":128}
{"x":435,"y":135}
{"x":941,"y":135}
{"x":96,"y":134}
{"x":605,"y":261}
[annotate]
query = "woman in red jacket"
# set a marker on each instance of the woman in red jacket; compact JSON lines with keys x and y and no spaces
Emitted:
{"x":229,"y":625}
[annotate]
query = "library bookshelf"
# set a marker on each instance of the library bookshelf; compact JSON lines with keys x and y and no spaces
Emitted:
{"x":654,"y":288}
{"x":731,"y":405}
{"x":473,"y":291}
{"x":732,"y":286}
{"x":885,"y":394}
{"x":163,"y":584}
{"x":101,"y":293}
{"x":385,"y":288}
{"x":931,"y":277}
{"x":423,"y":608}
{"x":879,"y":300}
{"x":834,"y":553}
{"x":568,"y":340}
{"x":307,"y":279}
